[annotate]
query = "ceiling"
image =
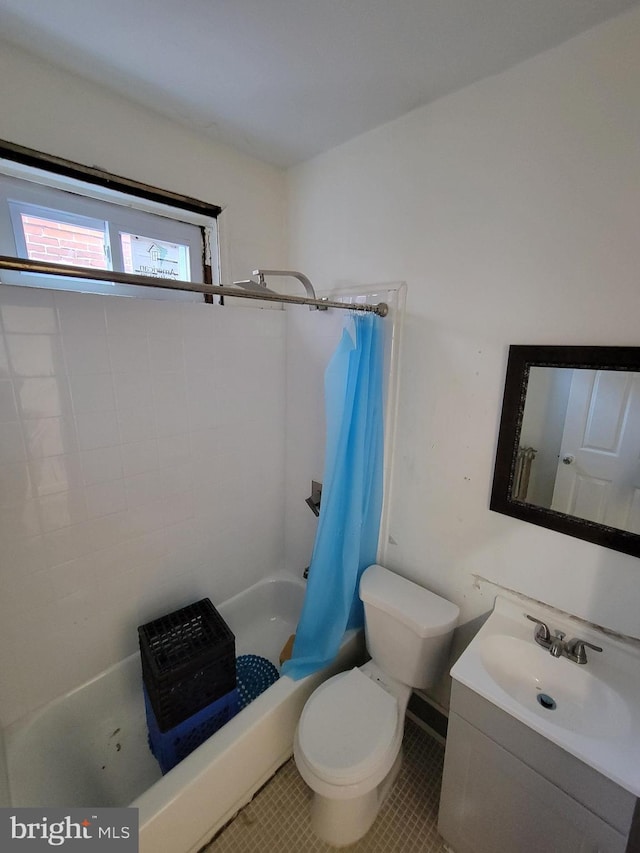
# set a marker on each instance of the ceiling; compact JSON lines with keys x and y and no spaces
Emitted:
{"x":284,"y":80}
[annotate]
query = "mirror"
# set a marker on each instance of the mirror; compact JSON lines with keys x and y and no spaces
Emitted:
{"x":568,"y":455}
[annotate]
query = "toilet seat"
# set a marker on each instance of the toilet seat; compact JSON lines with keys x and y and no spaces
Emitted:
{"x":348,"y":728}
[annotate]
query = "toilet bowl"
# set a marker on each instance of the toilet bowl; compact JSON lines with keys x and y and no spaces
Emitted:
{"x":347,"y":749}
{"x":348,"y":743}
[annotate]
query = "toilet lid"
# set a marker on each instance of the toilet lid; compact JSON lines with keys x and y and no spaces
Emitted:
{"x":347,"y":728}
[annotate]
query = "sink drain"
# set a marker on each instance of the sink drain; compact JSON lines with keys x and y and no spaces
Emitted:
{"x":546,"y":701}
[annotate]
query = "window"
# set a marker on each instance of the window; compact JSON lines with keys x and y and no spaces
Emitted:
{"x":57,"y":218}
{"x":43,"y":234}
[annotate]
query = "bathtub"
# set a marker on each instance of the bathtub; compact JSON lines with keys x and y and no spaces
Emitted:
{"x":89,"y":748}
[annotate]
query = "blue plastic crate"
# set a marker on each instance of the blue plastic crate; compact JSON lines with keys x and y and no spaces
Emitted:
{"x":172,"y":746}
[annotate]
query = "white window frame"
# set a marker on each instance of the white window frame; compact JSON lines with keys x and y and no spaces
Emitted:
{"x":123,"y":212}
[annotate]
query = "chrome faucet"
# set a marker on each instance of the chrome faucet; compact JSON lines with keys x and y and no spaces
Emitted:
{"x":573,"y":650}
{"x":557,"y":647}
{"x":554,"y":644}
{"x":542,"y":634}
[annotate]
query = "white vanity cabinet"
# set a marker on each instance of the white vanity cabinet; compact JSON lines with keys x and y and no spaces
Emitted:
{"x":508,"y":789}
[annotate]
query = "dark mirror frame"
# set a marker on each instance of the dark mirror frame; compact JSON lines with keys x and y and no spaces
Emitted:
{"x":521,"y":360}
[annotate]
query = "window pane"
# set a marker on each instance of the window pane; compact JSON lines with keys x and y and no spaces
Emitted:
{"x":156,"y":258}
{"x":64,"y":242}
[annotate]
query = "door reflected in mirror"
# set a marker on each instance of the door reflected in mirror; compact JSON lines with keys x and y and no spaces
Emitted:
{"x":579,"y":450}
{"x":568,"y":454}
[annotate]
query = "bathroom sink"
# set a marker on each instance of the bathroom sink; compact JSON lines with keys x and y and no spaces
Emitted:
{"x":563,"y":693}
{"x":592,"y":710}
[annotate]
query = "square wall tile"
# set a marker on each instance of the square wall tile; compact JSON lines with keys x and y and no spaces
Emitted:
{"x":21,"y":557}
{"x":101,"y":465}
{"x":174,"y":450}
{"x":126,"y":316}
{"x":19,"y":522}
{"x":12,"y":447}
{"x":86,"y":353}
{"x":92,"y":392}
{"x":128,"y":352}
{"x":35,"y":355}
{"x":8,"y":407}
{"x":51,"y":474}
{"x":105,"y":498}
{"x":197,"y":319}
{"x":28,"y":310}
{"x":132,"y":388}
{"x":144,"y":488}
{"x":68,"y":578}
{"x":62,"y":509}
{"x":136,"y":424}
{"x":139,"y":457}
{"x":203,"y":400}
{"x":165,"y":355}
{"x":200,"y":354}
{"x":26,"y":593}
{"x":97,"y":430}
{"x":170,"y":404}
{"x":43,"y":398}
{"x":49,"y":436}
{"x":4,"y":361}
{"x":163,"y":319}
{"x":15,"y":484}
{"x":81,"y":314}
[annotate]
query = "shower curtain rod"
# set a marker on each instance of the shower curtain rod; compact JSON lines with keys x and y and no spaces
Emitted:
{"x":111,"y":276}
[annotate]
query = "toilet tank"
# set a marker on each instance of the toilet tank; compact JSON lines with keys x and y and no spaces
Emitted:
{"x":408,"y":629}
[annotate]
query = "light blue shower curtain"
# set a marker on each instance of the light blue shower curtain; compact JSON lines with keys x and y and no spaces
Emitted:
{"x":347,"y":537}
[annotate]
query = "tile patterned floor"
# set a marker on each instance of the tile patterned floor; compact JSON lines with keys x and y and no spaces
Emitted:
{"x":277,"y":819}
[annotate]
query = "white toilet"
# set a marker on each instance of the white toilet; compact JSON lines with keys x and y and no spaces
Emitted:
{"x":348,"y":742}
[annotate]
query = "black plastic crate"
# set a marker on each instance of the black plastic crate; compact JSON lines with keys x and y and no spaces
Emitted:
{"x":188,"y":661}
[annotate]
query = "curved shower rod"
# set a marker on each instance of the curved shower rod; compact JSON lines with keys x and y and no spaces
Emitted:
{"x":256,"y":292}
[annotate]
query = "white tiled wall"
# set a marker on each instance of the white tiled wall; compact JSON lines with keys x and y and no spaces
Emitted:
{"x":141,"y":466}
{"x":312,"y":336}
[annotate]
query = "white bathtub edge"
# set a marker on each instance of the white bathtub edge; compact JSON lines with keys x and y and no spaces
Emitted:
{"x":182,"y":812}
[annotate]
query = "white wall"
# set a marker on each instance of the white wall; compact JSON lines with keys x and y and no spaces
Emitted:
{"x":141,"y":441}
{"x":311,"y":340}
{"x":56,"y":112}
{"x":512,"y":210}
